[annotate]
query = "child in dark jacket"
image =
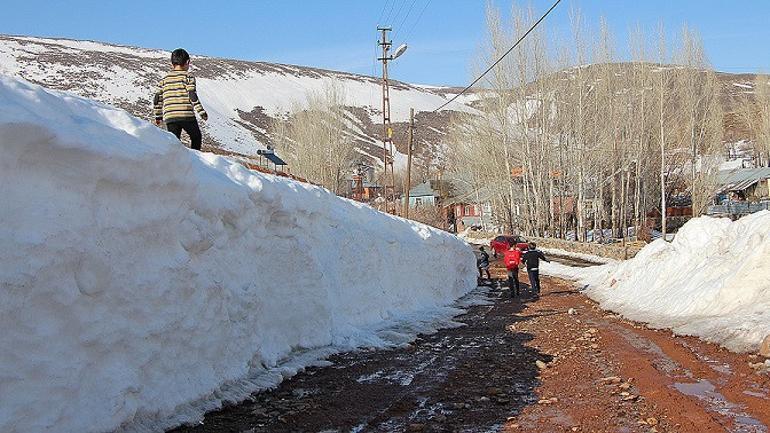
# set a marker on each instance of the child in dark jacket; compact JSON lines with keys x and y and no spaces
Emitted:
{"x":176,"y":100}
{"x":483,"y":264}
{"x":532,"y":258}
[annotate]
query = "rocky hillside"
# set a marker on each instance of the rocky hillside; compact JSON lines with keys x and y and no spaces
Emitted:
{"x":241,"y":97}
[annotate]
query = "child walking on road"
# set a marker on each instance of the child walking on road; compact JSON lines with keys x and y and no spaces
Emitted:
{"x":176,"y":100}
{"x":532,"y":258}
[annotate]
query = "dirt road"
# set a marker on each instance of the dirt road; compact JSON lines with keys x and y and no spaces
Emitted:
{"x":555,"y":364}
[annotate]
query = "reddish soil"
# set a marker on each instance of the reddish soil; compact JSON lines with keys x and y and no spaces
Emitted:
{"x":596,"y":373}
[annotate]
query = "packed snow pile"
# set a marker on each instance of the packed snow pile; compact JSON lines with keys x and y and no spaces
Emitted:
{"x":141,"y":282}
{"x":712,"y":281}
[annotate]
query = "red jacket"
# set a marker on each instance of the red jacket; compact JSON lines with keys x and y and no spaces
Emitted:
{"x":512,"y":259}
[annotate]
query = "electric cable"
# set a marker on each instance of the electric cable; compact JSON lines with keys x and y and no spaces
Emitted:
{"x":501,"y":57}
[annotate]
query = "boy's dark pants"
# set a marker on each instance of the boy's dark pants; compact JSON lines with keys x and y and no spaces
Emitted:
{"x":513,"y":281}
{"x":534,"y":280}
{"x":484,"y":269}
{"x":190,"y":127}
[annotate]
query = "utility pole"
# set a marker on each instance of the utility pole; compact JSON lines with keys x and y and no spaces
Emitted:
{"x":388,"y":175}
{"x":358,"y":182}
{"x":409,"y":163}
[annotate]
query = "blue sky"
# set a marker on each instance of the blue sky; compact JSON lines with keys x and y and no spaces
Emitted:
{"x":341,"y":34}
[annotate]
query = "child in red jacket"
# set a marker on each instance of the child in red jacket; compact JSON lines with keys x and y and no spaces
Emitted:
{"x":512,"y":260}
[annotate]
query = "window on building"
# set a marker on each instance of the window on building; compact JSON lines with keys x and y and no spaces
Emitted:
{"x":468,"y":210}
{"x":417,"y":201}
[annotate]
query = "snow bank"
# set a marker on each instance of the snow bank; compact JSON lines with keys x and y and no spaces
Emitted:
{"x":141,"y":282}
{"x":712,"y":281}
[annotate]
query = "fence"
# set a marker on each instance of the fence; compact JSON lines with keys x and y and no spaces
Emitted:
{"x":734,"y":208}
{"x":610,"y":251}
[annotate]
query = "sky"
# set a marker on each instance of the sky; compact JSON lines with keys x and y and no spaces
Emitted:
{"x":444,"y":36}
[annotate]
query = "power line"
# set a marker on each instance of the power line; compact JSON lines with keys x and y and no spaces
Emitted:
{"x":409,"y":11}
{"x":390,"y":12}
{"x":382,"y":12}
{"x":414,"y":25}
{"x":501,"y":57}
{"x":400,"y":8}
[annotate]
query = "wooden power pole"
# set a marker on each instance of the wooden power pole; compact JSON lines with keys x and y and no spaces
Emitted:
{"x":388,"y":174}
{"x":409,"y":163}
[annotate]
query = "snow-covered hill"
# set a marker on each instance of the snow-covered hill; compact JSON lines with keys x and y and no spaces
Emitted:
{"x":241,"y":97}
{"x":142,"y":283}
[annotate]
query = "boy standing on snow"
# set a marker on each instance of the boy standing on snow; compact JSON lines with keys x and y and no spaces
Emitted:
{"x":532,"y":258}
{"x":176,"y":100}
{"x":512,"y":259}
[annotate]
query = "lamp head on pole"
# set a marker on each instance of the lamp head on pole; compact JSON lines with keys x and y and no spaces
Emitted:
{"x":400,"y":50}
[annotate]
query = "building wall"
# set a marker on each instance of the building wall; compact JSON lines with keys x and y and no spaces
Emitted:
{"x":422,"y":201}
{"x":762,"y":189}
{"x":466,"y":210}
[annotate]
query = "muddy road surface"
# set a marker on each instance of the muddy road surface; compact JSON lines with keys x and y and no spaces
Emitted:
{"x":558,"y":363}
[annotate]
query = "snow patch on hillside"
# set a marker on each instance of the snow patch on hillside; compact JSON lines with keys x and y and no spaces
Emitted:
{"x":127,"y":76}
{"x":142,"y":283}
{"x":82,"y":45}
{"x":712,"y":281}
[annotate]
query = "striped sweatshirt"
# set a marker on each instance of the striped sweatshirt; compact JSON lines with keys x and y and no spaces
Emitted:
{"x":175,"y":99}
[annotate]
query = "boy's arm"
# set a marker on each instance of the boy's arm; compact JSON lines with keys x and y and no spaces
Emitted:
{"x":157,"y":104}
{"x":191,"y":90}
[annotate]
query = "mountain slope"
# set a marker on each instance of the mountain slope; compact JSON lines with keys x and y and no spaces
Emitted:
{"x":241,"y":97}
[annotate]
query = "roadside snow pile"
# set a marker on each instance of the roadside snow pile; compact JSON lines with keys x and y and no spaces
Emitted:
{"x":712,"y":281}
{"x":141,"y":283}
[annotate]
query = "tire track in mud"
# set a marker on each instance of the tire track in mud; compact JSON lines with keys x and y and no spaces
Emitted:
{"x":657,"y":381}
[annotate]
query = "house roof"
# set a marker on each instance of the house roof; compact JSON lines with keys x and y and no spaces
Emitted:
{"x":433,"y":188}
{"x":468,"y":195}
{"x":742,"y":178}
{"x":271,"y":156}
{"x":422,"y":190}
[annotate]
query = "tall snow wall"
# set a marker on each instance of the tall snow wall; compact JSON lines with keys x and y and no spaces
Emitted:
{"x":138,"y":277}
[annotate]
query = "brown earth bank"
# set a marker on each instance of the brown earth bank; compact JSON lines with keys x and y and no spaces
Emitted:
{"x":557,"y":363}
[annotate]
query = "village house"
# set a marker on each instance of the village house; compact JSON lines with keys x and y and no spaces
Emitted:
{"x":470,"y":209}
{"x":741,"y":191}
{"x":431,"y":193}
{"x":460,"y":206}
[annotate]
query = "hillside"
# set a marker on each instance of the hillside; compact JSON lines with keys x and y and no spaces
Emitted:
{"x":734,"y":89}
{"x":241,"y":97}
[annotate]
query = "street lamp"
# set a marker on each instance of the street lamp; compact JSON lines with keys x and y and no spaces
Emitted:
{"x":400,"y":50}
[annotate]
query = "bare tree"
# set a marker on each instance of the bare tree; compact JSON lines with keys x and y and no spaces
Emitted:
{"x":315,"y":137}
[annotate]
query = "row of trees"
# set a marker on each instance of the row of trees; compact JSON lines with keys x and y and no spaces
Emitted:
{"x":569,"y":136}
{"x":571,"y":125}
